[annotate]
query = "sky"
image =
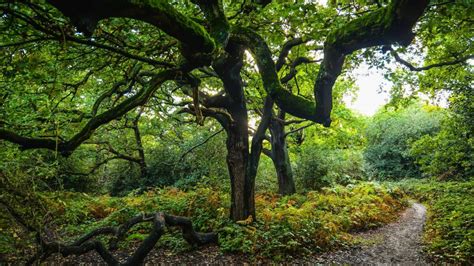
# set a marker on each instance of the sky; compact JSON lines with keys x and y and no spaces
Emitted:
{"x":368,"y":99}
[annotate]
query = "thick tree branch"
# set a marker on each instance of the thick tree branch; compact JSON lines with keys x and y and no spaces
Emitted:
{"x":189,"y":234}
{"x":214,"y":12}
{"x":259,"y":136}
{"x":218,"y":100}
{"x":292,"y":104}
{"x":228,"y":67}
{"x":390,"y":24}
{"x":86,"y":14}
{"x":268,"y":153}
{"x":286,"y":50}
{"x":386,"y":25}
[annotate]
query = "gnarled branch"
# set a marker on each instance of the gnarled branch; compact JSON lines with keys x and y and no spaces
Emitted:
{"x":86,"y":14}
{"x":159,"y":220}
{"x":387,"y":25}
{"x":286,"y":50}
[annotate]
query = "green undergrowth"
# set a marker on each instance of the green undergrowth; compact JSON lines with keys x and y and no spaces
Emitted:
{"x":285,"y":226}
{"x":449,"y":229}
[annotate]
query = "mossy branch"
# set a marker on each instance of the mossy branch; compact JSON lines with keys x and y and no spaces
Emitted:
{"x":214,"y":12}
{"x":292,"y":104}
{"x":86,"y":14}
{"x":389,"y":24}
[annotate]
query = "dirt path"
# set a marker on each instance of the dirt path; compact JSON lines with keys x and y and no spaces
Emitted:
{"x":395,"y":243}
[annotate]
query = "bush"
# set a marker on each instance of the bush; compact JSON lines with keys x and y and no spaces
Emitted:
{"x":319,"y":167}
{"x":389,"y":136}
{"x":173,"y":165}
{"x":450,"y":153}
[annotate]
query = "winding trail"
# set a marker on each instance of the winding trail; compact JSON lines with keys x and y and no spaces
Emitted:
{"x":395,"y":243}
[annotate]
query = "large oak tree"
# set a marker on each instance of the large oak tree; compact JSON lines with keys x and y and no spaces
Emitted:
{"x":152,"y":45}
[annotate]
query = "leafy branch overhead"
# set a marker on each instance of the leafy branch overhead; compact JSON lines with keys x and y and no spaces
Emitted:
{"x":206,"y":43}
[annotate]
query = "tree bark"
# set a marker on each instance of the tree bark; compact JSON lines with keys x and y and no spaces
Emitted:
{"x":280,"y":156}
{"x":242,"y":186}
{"x":242,"y":197}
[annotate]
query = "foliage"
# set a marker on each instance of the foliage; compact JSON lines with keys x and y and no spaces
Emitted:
{"x":322,"y":167}
{"x":331,"y":155}
{"x":285,"y":226}
{"x":389,"y":136}
{"x":57,"y":78}
{"x":449,"y":230}
{"x":450,"y":153}
{"x":180,"y":167}
{"x":173,"y":163}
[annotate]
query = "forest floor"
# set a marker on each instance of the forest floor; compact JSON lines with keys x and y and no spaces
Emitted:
{"x":395,"y":243}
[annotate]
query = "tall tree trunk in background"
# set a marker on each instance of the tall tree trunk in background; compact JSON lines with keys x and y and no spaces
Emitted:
{"x":141,"y":151}
{"x":280,"y":157}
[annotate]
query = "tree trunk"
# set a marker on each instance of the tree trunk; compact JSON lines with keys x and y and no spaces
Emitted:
{"x":242,"y":185}
{"x":242,"y":194}
{"x":280,"y":157}
{"x":141,"y":150}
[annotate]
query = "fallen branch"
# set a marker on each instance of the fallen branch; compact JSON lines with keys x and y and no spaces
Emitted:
{"x":87,"y":242}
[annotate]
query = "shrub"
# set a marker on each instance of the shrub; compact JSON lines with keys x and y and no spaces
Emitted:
{"x":389,"y":136}
{"x":319,"y":168}
{"x":285,"y":226}
{"x":450,"y":153}
{"x":174,"y":165}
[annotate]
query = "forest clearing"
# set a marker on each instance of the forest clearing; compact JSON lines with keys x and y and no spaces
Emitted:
{"x":236,"y":132}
